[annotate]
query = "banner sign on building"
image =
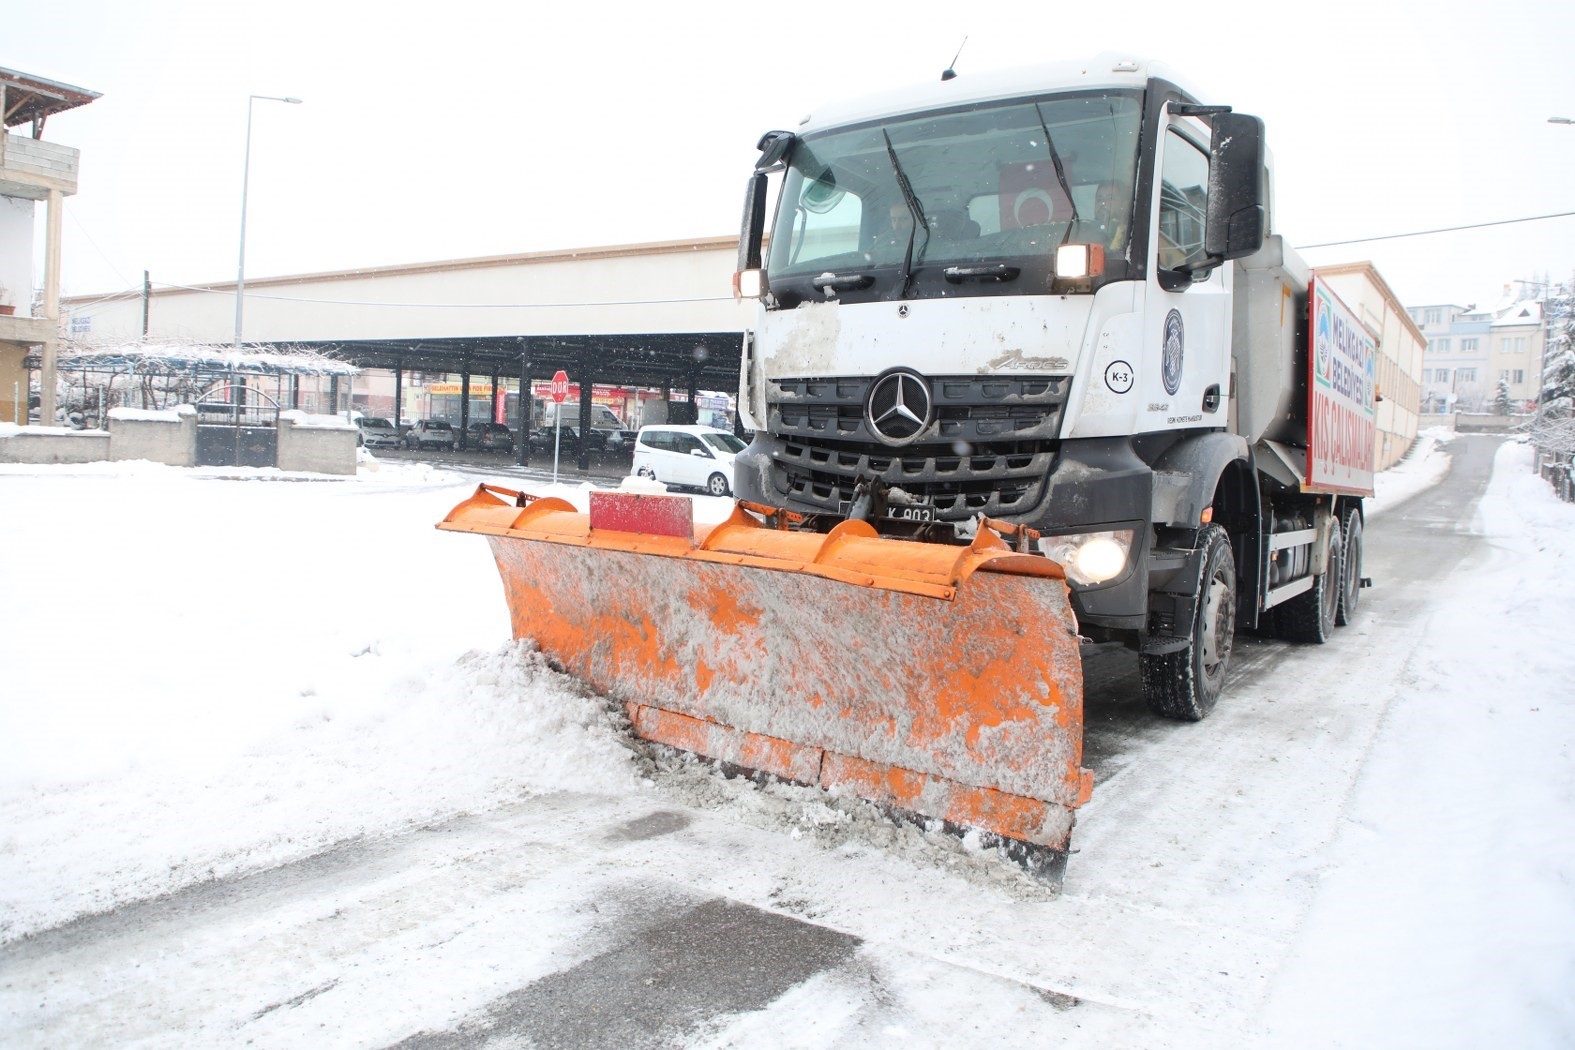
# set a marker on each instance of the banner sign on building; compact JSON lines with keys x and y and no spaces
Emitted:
{"x":477,"y":390}
{"x":1342,"y":414}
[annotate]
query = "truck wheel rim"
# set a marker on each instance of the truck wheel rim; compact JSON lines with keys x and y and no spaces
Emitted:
{"x":1219,"y":614}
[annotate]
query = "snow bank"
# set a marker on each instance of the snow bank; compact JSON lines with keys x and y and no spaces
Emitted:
{"x":303,"y":672}
{"x":1453,"y":890}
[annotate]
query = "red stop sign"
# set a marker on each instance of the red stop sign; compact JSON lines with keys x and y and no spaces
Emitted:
{"x":560,"y":386}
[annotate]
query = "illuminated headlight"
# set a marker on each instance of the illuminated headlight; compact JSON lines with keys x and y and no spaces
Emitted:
{"x":748,"y":284}
{"x":1077,"y":262}
{"x":1090,"y":557}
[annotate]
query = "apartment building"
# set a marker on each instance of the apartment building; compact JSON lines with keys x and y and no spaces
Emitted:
{"x":1470,"y":350}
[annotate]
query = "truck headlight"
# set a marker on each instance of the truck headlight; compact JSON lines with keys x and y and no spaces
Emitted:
{"x":748,"y":284}
{"x":1090,"y":557}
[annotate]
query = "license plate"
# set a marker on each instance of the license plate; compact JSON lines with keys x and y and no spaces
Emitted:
{"x":912,"y":512}
{"x":899,"y":511}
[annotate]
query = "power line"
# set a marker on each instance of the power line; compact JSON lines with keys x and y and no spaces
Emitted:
{"x":1443,"y":229}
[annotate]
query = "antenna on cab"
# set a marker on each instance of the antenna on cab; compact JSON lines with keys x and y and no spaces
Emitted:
{"x":950,"y":73}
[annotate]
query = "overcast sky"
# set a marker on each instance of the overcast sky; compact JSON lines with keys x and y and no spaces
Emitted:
{"x":448,"y":130}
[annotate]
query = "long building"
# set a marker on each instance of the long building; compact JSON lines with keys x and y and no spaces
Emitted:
{"x":644,"y":328}
{"x":631,"y":318}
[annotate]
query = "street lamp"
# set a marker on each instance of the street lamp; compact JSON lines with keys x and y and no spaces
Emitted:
{"x":1561,"y":120}
{"x":246,"y":173}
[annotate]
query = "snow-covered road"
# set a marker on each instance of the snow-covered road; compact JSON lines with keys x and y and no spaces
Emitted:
{"x":269,"y":748}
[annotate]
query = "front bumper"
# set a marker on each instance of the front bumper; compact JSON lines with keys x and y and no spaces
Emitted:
{"x":1089,"y":485}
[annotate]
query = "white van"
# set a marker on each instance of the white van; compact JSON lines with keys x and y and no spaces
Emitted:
{"x":687,"y":456}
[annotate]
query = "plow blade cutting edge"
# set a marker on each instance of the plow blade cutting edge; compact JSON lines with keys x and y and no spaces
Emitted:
{"x":940,"y":680}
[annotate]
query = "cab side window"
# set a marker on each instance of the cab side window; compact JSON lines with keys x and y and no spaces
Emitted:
{"x":1183,"y":202}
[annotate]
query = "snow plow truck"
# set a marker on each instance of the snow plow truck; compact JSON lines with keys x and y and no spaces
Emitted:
{"x":1030,"y":368}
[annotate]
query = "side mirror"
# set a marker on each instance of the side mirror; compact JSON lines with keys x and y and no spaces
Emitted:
{"x":1238,"y":188}
{"x":774,"y":147}
{"x":752,"y":233}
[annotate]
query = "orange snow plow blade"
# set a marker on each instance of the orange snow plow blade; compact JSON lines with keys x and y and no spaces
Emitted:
{"x":941,"y":680}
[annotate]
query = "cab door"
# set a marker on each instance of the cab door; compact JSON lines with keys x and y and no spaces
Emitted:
{"x":1186,"y":323}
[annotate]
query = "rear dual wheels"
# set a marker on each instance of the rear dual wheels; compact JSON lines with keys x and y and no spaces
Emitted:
{"x":1311,"y":615}
{"x":1186,"y":684}
{"x":1350,"y":568}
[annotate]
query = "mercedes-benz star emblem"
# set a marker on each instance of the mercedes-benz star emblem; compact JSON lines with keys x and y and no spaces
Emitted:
{"x":899,"y":407}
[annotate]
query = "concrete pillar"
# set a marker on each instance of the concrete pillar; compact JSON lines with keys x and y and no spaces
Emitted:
{"x":522,"y":450}
{"x":46,"y":404}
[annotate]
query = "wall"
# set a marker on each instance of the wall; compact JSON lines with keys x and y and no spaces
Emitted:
{"x":160,"y":437}
{"x":320,"y":444}
{"x":13,"y":383}
{"x":679,"y":286}
{"x":52,"y":445}
{"x":16,"y":254}
{"x":1482,"y":423}
{"x":40,"y":163}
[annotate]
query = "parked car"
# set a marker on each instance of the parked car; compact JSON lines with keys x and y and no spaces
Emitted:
{"x":687,"y":456}
{"x":377,"y":432}
{"x":430,"y":433}
{"x":489,"y":437}
{"x":541,"y":440}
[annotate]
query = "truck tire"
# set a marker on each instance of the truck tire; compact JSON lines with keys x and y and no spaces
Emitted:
{"x":1186,"y":684}
{"x":1351,"y":570}
{"x":1309,"y":617}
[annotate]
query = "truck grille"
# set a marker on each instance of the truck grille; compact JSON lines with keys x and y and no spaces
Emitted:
{"x":990,"y":452}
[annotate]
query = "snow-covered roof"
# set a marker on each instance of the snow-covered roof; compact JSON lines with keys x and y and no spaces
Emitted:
{"x":200,"y":357}
{"x":1525,"y":312}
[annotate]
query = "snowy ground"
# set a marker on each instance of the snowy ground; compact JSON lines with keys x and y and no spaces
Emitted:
{"x":211,"y":675}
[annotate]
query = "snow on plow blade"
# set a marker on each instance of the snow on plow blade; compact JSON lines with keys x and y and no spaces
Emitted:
{"x":937,"y":679}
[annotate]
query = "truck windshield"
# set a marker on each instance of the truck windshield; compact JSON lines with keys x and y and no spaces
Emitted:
{"x":995,"y":184}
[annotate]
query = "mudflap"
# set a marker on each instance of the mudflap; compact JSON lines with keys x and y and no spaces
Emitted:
{"x":932,"y":679}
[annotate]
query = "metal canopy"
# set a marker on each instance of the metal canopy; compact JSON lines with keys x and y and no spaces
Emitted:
{"x":708,"y":360}
{"x":30,"y":99}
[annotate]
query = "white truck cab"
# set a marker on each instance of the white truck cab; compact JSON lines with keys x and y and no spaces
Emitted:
{"x":1015,"y":296}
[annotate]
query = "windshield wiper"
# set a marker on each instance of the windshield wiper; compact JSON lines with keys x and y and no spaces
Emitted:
{"x":915,"y":209}
{"x":1060,"y":172}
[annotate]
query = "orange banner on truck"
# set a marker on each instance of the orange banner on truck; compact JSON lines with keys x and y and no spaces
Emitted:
{"x":1341,"y":412}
